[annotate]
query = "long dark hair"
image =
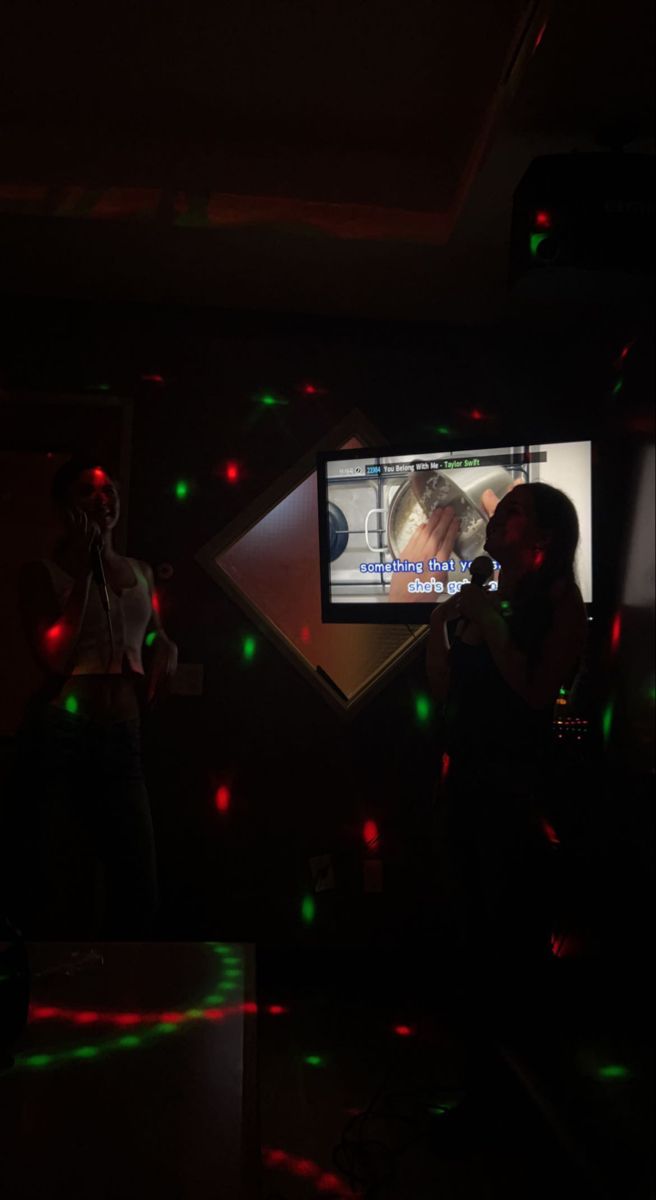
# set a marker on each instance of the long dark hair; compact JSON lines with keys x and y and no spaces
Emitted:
{"x":553,"y":568}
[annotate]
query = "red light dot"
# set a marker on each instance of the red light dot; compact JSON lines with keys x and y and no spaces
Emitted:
{"x":55,"y":632}
{"x":476,"y":414}
{"x":310,"y":389}
{"x":330,"y":1183}
{"x":403,"y":1030}
{"x":274,"y":1158}
{"x":249,"y":1007}
{"x":305,"y":634}
{"x":540,"y":36}
{"x":304,"y":1168}
{"x":370,"y":834}
{"x":86,"y":1018}
{"x":213,"y":1014}
{"x":126,"y":1019}
{"x":156,"y":603}
{"x":232,"y":472}
{"x":222,"y":798}
{"x":616,"y":632}
{"x":276,"y":1009}
{"x":543,"y":219}
{"x":41,"y":1014}
{"x":172,"y":1018}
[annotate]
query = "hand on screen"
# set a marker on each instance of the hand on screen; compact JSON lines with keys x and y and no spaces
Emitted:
{"x":435,"y":539}
{"x":491,"y":500}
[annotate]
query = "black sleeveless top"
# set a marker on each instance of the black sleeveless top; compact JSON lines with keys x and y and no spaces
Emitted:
{"x":486,"y":723}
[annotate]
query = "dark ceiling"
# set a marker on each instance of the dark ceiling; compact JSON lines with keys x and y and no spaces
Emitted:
{"x":299,"y":155}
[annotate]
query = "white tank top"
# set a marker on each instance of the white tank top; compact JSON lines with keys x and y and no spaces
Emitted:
{"x":130,"y":613}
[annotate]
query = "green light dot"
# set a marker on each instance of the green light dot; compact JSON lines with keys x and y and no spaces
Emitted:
{"x":151,"y":637}
{"x":166,"y":1027}
{"x":308,"y":909}
{"x":613,"y":1071}
{"x":607,"y":720}
{"x":618,"y":387}
{"x":313,"y":1060}
{"x":181,"y":489}
{"x":443,"y":430}
{"x":422,"y":708}
{"x":129,"y":1040}
{"x":86,"y":1052}
{"x":269,"y":401}
{"x":233,"y":962}
{"x":194,"y":1012}
{"x":563,"y":691}
{"x":249,"y":648}
{"x":536,"y":241}
{"x":71,"y":704}
{"x":209,"y":1000}
{"x":38,"y":1060}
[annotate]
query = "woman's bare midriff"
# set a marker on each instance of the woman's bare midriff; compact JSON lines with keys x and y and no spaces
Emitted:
{"x":106,"y":698}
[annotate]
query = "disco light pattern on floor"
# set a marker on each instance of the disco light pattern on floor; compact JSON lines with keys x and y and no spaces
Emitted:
{"x":146,"y":1027}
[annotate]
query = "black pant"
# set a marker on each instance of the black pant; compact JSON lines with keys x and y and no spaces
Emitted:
{"x":93,"y":868}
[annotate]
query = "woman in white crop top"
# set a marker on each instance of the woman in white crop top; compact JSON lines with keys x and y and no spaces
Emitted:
{"x":94,"y":809}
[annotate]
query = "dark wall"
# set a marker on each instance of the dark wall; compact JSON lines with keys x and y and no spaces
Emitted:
{"x":303,"y":779}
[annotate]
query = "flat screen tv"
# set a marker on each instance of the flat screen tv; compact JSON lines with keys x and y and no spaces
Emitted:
{"x":376,"y":505}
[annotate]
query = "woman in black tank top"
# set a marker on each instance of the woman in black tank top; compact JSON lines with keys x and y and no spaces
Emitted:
{"x":498,"y":676}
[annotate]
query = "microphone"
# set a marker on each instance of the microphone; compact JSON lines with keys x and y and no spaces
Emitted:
{"x":98,"y":572}
{"x":481,"y":569}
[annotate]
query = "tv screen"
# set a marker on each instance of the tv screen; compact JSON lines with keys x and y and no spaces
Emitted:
{"x":399,"y":529}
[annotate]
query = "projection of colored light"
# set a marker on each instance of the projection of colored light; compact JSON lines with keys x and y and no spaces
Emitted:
{"x":563,"y":691}
{"x":607,"y":720}
{"x":613,"y":1071}
{"x":276,"y":1010}
{"x":152,"y":1024}
{"x":181,"y":489}
{"x":542,"y":219}
{"x":423,"y":709}
{"x":403,"y":1030}
{"x":616,"y":632}
{"x":618,"y":387}
{"x":248,"y":649}
{"x":325,"y":1182}
{"x":222,"y":798}
{"x":308,"y":910}
{"x":476,"y":414}
{"x":305,"y":635}
{"x":444,"y":430}
{"x":270,"y":401}
{"x":313,"y":1060}
{"x":151,"y":636}
{"x":71,"y":705}
{"x":446,"y":763}
{"x":153,"y":378}
{"x":549,"y":832}
{"x":538,"y":40}
{"x":54,"y":633}
{"x":371,"y":835}
{"x":156,"y":603}
{"x":535,"y":242}
{"x":232,"y":472}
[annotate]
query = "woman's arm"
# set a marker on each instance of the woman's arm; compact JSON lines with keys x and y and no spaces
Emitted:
{"x":164,"y":662}
{"x":51,"y":630}
{"x":561,"y":650}
{"x":437,"y":650}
